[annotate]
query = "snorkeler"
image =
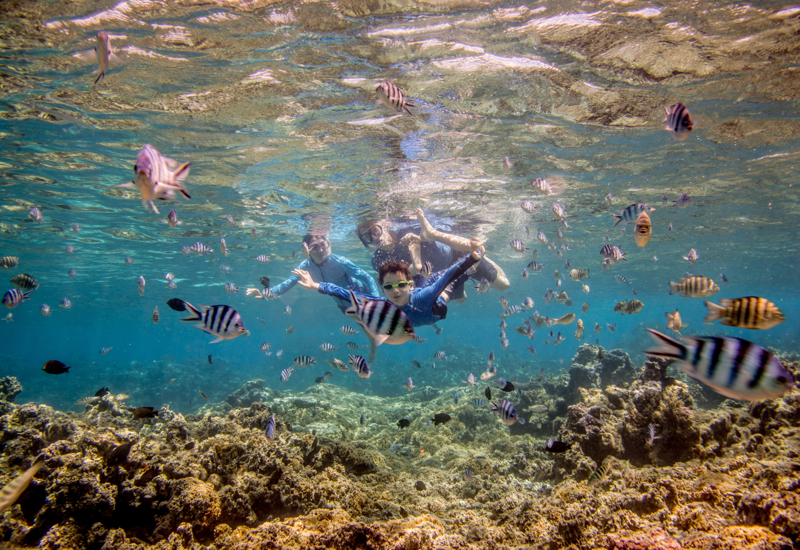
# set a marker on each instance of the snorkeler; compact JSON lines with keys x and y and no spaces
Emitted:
{"x":322,"y":266}
{"x":431,"y":245}
{"x":422,"y":306}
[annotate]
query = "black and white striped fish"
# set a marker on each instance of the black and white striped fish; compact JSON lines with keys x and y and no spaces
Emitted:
{"x":223,"y":246}
{"x":221,"y":321}
{"x":23,"y":281}
{"x":734,"y":367}
{"x":200,"y":248}
{"x":559,"y":213}
{"x":518,"y":245}
{"x":542,"y":238}
{"x":286,"y":373}
{"x":263,"y":258}
{"x":352,"y":345}
{"x":631,"y":213}
{"x":541,"y":186}
{"x":382,"y":321}
{"x":158,"y":177}
{"x":505,"y":411}
{"x":104,"y":351}
{"x":528,"y":206}
{"x":535,"y":266}
{"x":265,"y":346}
{"x":347,"y":330}
{"x":156,"y":316}
{"x":392,"y":97}
{"x":622,"y":279}
{"x":66,"y":303}
{"x":440,"y":355}
{"x":8,"y":262}
{"x":694,"y":286}
{"x":172,"y":219}
{"x":359,"y":365}
{"x":612,"y":253}
{"x":15,"y":297}
{"x":678,"y":121}
{"x":328,"y":347}
{"x":269,"y":431}
{"x":304,"y":361}
{"x":69,"y":249}
{"x":11,"y":492}
{"x":231,"y":288}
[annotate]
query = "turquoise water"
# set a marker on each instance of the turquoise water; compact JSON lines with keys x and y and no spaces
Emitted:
{"x":275,"y":109}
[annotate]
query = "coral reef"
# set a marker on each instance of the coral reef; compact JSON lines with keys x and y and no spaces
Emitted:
{"x":673,"y":476}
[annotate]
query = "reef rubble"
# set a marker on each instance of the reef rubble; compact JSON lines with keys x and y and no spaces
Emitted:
{"x":645,"y":468}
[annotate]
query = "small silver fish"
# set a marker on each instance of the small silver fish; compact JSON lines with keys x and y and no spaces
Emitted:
{"x":128,"y":260}
{"x":76,"y":228}
{"x":102,"y":53}
{"x":104,"y":351}
{"x":682,"y":201}
{"x":231,"y":288}
{"x":223,"y":247}
{"x":692,"y":256}
{"x":157,"y":177}
{"x":36,"y":215}
{"x":141,"y":282}
{"x":45,"y":309}
{"x":172,"y":219}
{"x":65,"y":303}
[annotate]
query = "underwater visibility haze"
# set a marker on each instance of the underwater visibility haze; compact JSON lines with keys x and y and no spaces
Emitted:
{"x":619,"y":370}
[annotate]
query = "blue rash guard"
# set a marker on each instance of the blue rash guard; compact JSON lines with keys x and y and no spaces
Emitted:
{"x":418,"y":308}
{"x":338,"y":271}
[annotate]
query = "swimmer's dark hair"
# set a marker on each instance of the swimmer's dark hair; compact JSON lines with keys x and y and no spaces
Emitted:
{"x":393,"y":267}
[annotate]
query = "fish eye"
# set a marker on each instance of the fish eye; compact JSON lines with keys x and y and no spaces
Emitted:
{"x":782,"y":380}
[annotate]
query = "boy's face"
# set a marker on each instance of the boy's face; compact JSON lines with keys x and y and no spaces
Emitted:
{"x":398,"y":296}
{"x":319,"y":249}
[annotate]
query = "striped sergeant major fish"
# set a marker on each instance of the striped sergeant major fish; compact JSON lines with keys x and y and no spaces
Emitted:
{"x":221,"y":321}
{"x":694,"y":286}
{"x":14,"y":297}
{"x":528,"y":206}
{"x":505,"y":411}
{"x":382,"y":321}
{"x":622,"y":279}
{"x":734,"y":367}
{"x":102,"y":52}
{"x":157,"y":177}
{"x":11,"y":492}
{"x":612,"y":253}
{"x":286,"y":373}
{"x":7,"y":262}
{"x":348,"y":330}
{"x":518,"y":245}
{"x":200,"y":248}
{"x":391,"y":96}
{"x":360,"y":366}
{"x":541,"y":186}
{"x":631,"y":213}
{"x":304,"y":361}
{"x":677,"y":121}
{"x":750,"y":312}
{"x":23,"y":281}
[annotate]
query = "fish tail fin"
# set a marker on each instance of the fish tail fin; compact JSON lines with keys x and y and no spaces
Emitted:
{"x":219,"y":338}
{"x":354,"y":305}
{"x":674,"y":288}
{"x":100,"y":77}
{"x":185,"y":194}
{"x":714,"y":312}
{"x":182,"y":171}
{"x":618,"y":218}
{"x":669,"y":347}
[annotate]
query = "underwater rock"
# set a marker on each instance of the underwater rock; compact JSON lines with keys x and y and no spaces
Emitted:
{"x":9,"y":388}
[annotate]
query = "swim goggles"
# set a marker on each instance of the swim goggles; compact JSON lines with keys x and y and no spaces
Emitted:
{"x":368,"y":237}
{"x":398,"y":284}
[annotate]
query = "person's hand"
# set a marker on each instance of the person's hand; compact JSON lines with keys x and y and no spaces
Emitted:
{"x":305,"y":279}
{"x":409,"y":238}
{"x":475,"y":243}
{"x":477,"y":254}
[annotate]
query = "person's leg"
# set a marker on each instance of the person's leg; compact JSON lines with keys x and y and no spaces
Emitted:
{"x":429,"y":233}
